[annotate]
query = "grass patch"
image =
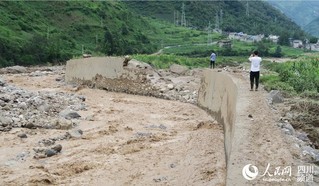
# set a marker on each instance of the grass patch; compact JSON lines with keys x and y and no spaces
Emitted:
{"x":166,"y":60}
{"x":300,"y":76}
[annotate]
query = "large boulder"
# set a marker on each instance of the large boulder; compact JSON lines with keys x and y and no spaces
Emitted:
{"x":275,"y":96}
{"x":69,"y":114}
{"x":14,"y":70}
{"x":2,"y":82}
{"x":133,"y":63}
{"x":5,"y":121}
{"x":178,"y":69}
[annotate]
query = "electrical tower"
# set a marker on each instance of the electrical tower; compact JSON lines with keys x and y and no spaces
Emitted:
{"x":247,"y":9}
{"x":216,"y":21}
{"x":209,"y":36}
{"x":183,"y":18}
{"x":221,"y":17}
{"x":176,"y":19}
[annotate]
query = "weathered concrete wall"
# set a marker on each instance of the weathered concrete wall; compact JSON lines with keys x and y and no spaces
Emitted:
{"x":109,"y":74}
{"x":88,"y":68}
{"x":218,"y":95}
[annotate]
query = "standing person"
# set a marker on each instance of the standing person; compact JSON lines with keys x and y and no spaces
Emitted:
{"x":255,"y":61}
{"x":212,"y":60}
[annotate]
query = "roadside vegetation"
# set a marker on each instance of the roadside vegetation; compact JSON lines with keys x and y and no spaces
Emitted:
{"x":298,"y":80}
{"x":295,"y":77}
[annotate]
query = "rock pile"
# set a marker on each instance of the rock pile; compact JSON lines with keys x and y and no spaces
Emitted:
{"x":176,"y":83}
{"x":50,"y":110}
{"x":13,"y":70}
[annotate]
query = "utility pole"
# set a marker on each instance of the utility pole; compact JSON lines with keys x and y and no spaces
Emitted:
{"x":209,"y":32}
{"x":183,"y":18}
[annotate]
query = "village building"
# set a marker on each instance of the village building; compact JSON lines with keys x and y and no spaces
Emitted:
{"x":273,"y":38}
{"x":297,"y":44}
{"x":224,"y":44}
{"x":245,"y":37}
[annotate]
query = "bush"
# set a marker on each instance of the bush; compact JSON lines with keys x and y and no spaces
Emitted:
{"x":300,"y":77}
{"x":272,"y":82}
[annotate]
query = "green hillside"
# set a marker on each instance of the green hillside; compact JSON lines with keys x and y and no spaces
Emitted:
{"x":252,"y":17}
{"x":39,"y":32}
{"x":55,"y":31}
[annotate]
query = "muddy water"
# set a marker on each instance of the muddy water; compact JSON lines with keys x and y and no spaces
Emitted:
{"x":128,"y":140}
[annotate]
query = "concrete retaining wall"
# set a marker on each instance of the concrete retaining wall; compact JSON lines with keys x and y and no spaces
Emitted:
{"x":88,"y":68}
{"x":109,"y":74}
{"x":218,"y":95}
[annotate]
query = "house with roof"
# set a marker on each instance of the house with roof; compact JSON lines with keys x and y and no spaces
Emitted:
{"x":273,"y":38}
{"x":224,"y":43}
{"x":297,"y":44}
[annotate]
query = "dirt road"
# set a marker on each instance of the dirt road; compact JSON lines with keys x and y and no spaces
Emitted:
{"x":260,"y":142}
{"x":127,"y":140}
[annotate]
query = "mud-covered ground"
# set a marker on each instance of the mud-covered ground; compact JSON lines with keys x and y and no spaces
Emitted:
{"x":119,"y":139}
{"x":122,"y":139}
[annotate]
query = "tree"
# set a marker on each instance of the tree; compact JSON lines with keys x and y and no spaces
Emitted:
{"x":108,"y":42}
{"x":278,"y":52}
{"x":263,"y":49}
{"x":284,"y":39}
{"x":313,"y":40}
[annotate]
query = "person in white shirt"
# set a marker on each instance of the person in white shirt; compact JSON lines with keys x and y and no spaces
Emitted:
{"x":212,"y":60}
{"x":255,"y":61}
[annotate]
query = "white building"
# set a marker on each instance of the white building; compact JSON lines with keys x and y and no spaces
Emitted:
{"x":273,"y":38}
{"x":254,"y":38}
{"x":238,"y":36}
{"x":244,"y":37}
{"x":297,"y":44}
{"x":314,"y":47}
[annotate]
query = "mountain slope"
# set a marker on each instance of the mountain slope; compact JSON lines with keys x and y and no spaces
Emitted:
{"x":40,"y":32}
{"x":33,"y":32}
{"x":253,"y":17}
{"x":313,"y":27}
{"x":301,"y":12}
